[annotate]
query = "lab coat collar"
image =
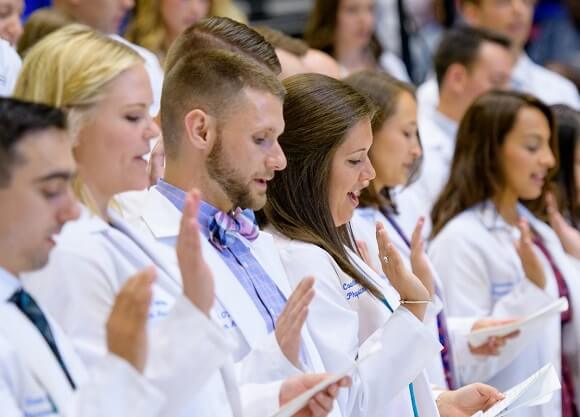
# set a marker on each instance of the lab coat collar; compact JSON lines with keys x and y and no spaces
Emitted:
{"x":9,"y":284}
{"x":492,"y":220}
{"x":36,"y":354}
{"x":160,"y":215}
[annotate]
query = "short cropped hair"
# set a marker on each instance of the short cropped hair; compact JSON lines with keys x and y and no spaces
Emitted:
{"x":223,"y":33}
{"x":461,"y":46}
{"x":208,"y":80}
{"x":17,"y":120}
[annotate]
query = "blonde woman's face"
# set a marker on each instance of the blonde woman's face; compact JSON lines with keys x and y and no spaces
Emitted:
{"x":113,"y":142}
{"x":178,"y":15}
{"x":10,"y":26}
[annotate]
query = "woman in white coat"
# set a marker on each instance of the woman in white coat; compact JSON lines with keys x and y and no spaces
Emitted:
{"x":326,"y":140}
{"x":396,"y":156}
{"x":105,"y":88}
{"x":495,"y":257}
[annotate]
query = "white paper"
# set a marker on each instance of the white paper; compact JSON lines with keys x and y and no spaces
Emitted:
{"x":480,"y":337}
{"x":301,"y":401}
{"x":536,"y":390}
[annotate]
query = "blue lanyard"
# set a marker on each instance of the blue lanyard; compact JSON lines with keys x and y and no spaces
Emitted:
{"x":411,"y":388}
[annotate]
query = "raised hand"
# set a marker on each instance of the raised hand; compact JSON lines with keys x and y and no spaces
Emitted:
{"x":363,"y":250}
{"x":525,"y":247}
{"x":198,"y":284}
{"x":419,"y":262}
{"x":405,"y":282}
{"x":467,"y":400}
{"x":569,"y":236}
{"x":494,"y":344}
{"x":291,"y":320}
{"x":321,"y":404}
{"x":127,"y":323}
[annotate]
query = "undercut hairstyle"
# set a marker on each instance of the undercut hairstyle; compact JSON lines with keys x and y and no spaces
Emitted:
{"x":208,"y":80}
{"x":476,"y":170}
{"x":461,"y":45}
{"x":319,"y":111}
{"x":227,"y":34}
{"x":18,"y":119}
{"x":384,"y":92}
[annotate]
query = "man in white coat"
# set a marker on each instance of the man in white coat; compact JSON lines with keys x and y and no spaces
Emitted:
{"x":40,"y":373}
{"x":468,"y":63}
{"x":514,"y":20}
{"x":222,"y":114}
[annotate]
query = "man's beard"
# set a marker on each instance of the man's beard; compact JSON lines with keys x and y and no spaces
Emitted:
{"x":222,"y":172}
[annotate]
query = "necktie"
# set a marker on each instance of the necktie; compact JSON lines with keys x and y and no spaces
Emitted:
{"x":30,"y":309}
{"x":568,"y":404}
{"x":224,"y":227}
{"x":444,"y":339}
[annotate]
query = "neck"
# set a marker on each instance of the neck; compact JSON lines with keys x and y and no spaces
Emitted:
{"x":506,"y":205}
{"x":6,"y":265}
{"x":99,"y":199}
{"x":169,"y":38}
{"x":449,"y":107}
{"x":180,"y":175}
{"x":353,"y":58}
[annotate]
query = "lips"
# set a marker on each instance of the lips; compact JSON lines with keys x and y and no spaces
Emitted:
{"x":539,"y":179}
{"x":353,"y":196}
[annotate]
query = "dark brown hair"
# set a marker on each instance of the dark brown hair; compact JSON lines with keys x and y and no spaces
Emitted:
{"x":321,"y":28}
{"x":476,"y":171}
{"x":319,"y":111}
{"x":223,"y":33}
{"x":209,"y":80}
{"x":461,"y":45}
{"x":384,"y":91}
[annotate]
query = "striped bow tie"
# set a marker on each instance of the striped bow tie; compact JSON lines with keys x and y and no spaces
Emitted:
{"x":224,"y":227}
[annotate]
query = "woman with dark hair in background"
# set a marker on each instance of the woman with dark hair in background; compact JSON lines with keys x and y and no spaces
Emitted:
{"x":494,"y":256}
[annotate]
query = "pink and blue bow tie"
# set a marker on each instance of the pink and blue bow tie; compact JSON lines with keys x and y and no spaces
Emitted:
{"x":224,"y":228}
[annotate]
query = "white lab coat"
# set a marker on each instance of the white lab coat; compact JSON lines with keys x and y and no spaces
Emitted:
{"x":345,"y":321}
{"x":234,"y":308}
{"x":438,"y":134}
{"x":32,"y":382}
{"x":527,"y":77}
{"x":363,"y":226}
{"x":10,"y":65}
{"x":475,"y":256}
{"x":88,"y":267}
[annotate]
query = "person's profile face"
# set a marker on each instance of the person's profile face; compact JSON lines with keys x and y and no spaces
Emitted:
{"x":526,"y":156}
{"x":350,"y":172}
{"x":38,"y":200}
{"x":246,"y":153}
{"x":512,"y":18}
{"x":113,"y":142}
{"x":178,"y":15}
{"x":10,"y":25}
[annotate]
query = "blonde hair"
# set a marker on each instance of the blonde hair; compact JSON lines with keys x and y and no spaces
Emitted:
{"x":146,"y":27}
{"x":71,"y":68}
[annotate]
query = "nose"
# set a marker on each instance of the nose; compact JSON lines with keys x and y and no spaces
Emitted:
{"x":368,"y":172}
{"x":70,"y":209}
{"x":152,"y":130}
{"x":521,"y":7}
{"x":548,"y":158}
{"x":416,"y":150}
{"x":277,"y":160}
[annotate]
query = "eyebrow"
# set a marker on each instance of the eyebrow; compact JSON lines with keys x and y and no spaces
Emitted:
{"x":358,"y":150}
{"x":59,"y":175}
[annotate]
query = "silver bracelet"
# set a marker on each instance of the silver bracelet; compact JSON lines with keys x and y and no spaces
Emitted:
{"x":403,"y":302}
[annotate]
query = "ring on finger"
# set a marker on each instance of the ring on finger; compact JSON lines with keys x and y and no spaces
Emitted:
{"x":386,"y":260}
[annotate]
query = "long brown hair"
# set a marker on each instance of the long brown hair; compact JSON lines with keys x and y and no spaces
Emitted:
{"x":476,"y":173}
{"x":319,"y":111}
{"x":321,"y":28}
{"x":384,"y":91}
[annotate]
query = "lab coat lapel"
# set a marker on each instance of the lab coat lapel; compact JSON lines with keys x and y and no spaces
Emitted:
{"x":37,"y":355}
{"x":233,"y":296}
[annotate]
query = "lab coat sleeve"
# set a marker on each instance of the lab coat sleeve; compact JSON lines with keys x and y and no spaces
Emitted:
{"x":407,"y":344}
{"x":186,"y":348}
{"x":261,"y":400}
{"x":115,"y":388}
{"x":468,"y":293}
{"x":279,"y":367}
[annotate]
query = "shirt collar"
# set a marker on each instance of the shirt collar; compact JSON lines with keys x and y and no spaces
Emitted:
{"x":9,"y":284}
{"x":492,"y":220}
{"x":447,"y":125}
{"x":521,"y":73}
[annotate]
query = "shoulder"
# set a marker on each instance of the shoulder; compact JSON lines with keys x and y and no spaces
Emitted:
{"x":465,"y":228}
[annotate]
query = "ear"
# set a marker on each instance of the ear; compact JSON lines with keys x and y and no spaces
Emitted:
{"x":470,"y":12}
{"x":456,"y":78}
{"x":199,"y":128}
